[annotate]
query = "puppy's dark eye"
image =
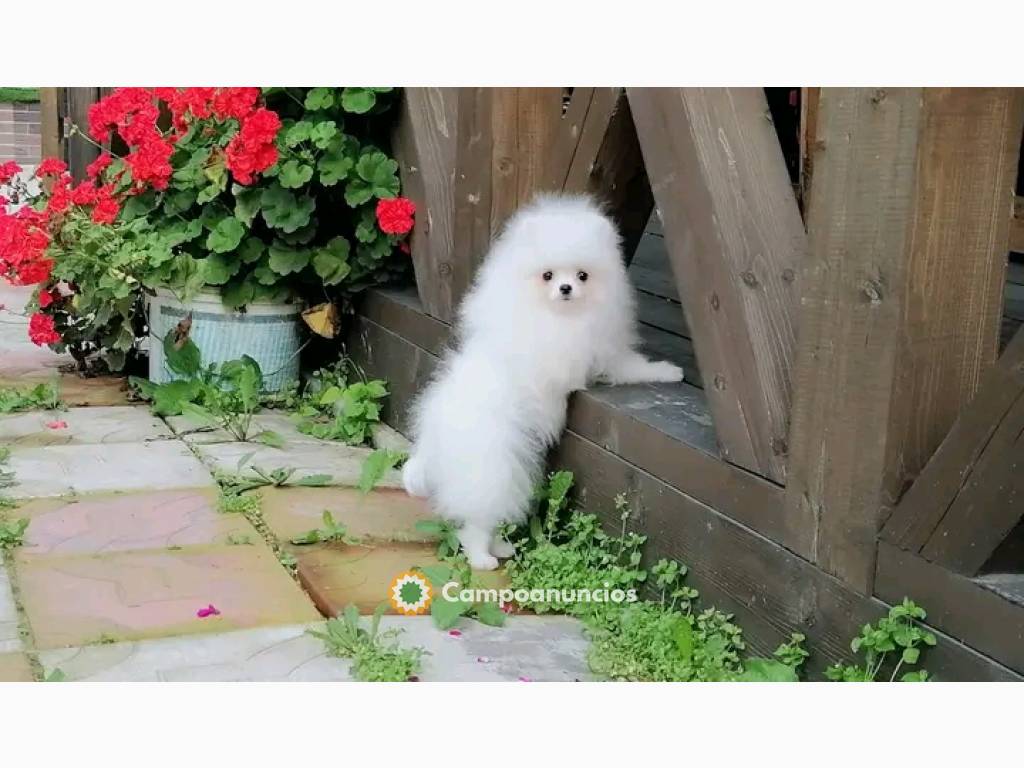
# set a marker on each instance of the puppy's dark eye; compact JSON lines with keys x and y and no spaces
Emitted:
{"x":547,"y":276}
{"x":582,"y":276}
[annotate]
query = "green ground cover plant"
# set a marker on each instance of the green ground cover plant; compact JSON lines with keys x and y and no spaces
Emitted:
{"x":12,"y":95}
{"x":44,"y":396}
{"x":376,"y":655}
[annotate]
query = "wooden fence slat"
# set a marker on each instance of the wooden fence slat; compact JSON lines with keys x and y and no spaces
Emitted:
{"x":50,"y":128}
{"x":1017,"y":226}
{"x":901,"y":298}
{"x":469,"y":157}
{"x":736,"y":240}
{"x":79,"y":151}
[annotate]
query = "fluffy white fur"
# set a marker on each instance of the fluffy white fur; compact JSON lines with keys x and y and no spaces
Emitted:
{"x":482,"y":427}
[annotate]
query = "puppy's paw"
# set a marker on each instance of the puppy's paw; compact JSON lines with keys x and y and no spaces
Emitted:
{"x":664,"y":371}
{"x":482,"y":562}
{"x":501,"y":548}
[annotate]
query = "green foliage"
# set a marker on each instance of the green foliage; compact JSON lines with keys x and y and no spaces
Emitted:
{"x":225,"y":396}
{"x":6,"y":479}
{"x":12,"y":532}
{"x":446,"y":613}
{"x":376,"y":655}
{"x":378,"y":464}
{"x":332,"y":531}
{"x":894,"y":643}
{"x":234,"y":484}
{"x":11,"y":95}
{"x":334,"y":408}
{"x":44,"y":396}
{"x":239,"y":503}
{"x":446,"y":534}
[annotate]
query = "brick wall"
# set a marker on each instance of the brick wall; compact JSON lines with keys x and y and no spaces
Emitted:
{"x":19,"y":133}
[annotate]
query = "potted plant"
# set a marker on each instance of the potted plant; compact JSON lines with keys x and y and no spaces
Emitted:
{"x":225,"y":208}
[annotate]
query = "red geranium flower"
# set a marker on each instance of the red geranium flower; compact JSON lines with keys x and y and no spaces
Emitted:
{"x":238,"y":103}
{"x":45,"y":299}
{"x":8,"y":171}
{"x":51,"y":166}
{"x":394,"y":216}
{"x":41,"y":329}
{"x":97,"y":166}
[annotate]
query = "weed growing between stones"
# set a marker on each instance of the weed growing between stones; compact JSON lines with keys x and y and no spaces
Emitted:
{"x":41,"y":397}
{"x":12,"y":532}
{"x":376,"y":655}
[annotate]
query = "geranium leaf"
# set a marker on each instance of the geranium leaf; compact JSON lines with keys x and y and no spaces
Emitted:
{"x":331,"y":261}
{"x":319,"y":98}
{"x":221,"y":268}
{"x":358,"y":100}
{"x":285,"y":260}
{"x":247,"y":203}
{"x":294,"y":174}
{"x":226,"y":235}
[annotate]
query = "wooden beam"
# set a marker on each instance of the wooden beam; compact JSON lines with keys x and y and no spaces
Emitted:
{"x":1017,"y":226}
{"x":469,"y":157}
{"x":957,"y":605}
{"x":902,"y":296}
{"x":735,"y":240}
{"x":927,"y":502}
{"x":79,"y":151}
{"x":50,"y":128}
{"x":809,"y":98}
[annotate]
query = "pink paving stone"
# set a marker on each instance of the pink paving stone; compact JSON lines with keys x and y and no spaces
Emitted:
{"x":336,"y":575}
{"x":14,"y":668}
{"x":384,"y":514}
{"x":85,"y":599}
{"x":131,"y":521}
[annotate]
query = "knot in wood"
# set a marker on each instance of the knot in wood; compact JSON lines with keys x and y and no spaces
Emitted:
{"x":445,"y":269}
{"x":719,"y":382}
{"x":714,"y":301}
{"x":749,"y":279}
{"x":788,"y":275}
{"x":779,"y":446}
{"x":878,"y":96}
{"x":872,"y":290}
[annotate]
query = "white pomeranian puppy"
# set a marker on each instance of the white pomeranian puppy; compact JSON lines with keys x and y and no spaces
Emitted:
{"x":550,"y":311}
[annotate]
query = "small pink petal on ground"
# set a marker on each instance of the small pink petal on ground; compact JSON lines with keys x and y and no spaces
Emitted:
{"x":525,"y":679}
{"x":455,"y":632}
{"x":56,"y":425}
{"x":209,"y":610}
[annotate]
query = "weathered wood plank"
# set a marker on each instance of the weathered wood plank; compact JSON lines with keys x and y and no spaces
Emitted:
{"x":425,"y":146}
{"x":469,"y":157}
{"x":921,"y":510}
{"x":901,"y":298}
{"x":735,"y":238}
{"x":79,"y":151}
{"x":771,"y":591}
{"x":809,"y":98}
{"x":931,"y":498}
{"x":1017,"y":226}
{"x":50,"y":128}
{"x":955,"y":604}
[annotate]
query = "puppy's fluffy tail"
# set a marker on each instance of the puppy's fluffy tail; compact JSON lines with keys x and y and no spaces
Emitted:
{"x":414,"y":477}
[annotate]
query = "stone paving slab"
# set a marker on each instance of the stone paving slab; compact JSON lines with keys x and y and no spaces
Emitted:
{"x":193,"y":433}
{"x":336,"y":575}
{"x":383,"y":515}
{"x":386,"y":437}
{"x":63,"y":470}
{"x":342,"y":462}
{"x":14,"y":668}
{"x":85,"y":426}
{"x":131,"y":521}
{"x":10,"y":640}
{"x":82,"y":600}
{"x":269,"y":654}
{"x":527,"y":649}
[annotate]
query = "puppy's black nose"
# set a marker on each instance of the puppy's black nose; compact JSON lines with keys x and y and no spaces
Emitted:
{"x":565,"y":288}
